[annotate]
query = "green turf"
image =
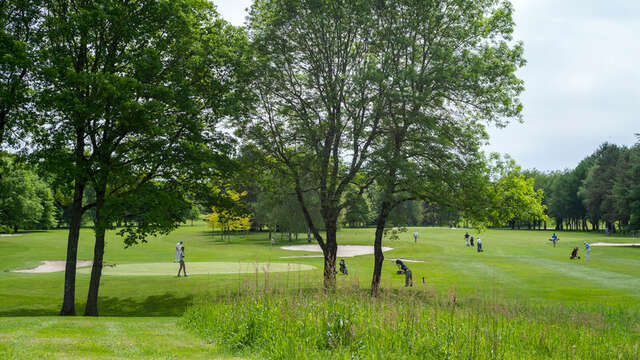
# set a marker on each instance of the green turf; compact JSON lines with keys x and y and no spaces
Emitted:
{"x":521,"y":266}
{"x":198,"y":268}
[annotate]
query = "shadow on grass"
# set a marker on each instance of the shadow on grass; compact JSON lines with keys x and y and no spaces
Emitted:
{"x":167,"y":304}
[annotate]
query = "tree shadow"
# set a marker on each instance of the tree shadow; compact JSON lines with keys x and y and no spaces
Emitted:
{"x":167,"y":304}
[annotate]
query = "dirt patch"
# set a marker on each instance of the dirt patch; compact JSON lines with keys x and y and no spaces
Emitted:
{"x":49,"y":266}
{"x":614,"y":244}
{"x":343,"y":250}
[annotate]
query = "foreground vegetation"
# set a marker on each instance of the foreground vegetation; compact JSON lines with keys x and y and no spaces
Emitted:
{"x":411,"y":324}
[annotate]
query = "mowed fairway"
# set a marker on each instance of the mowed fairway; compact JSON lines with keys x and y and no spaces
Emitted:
{"x":516,"y":266}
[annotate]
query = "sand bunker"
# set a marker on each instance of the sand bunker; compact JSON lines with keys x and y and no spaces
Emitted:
{"x":408,"y":260}
{"x":195,"y":268}
{"x":614,"y":244}
{"x":343,"y":250}
{"x":49,"y":266}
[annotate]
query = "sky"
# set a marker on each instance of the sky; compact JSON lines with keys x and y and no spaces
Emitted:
{"x":582,"y":79}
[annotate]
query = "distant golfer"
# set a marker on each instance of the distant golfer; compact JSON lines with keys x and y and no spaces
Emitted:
{"x":415,"y":237}
{"x":466,"y":239}
{"x":471,"y":241}
{"x":479,"y":242}
{"x":587,"y":249}
{"x":554,"y":239}
{"x":182,"y":267}
{"x":176,"y":258}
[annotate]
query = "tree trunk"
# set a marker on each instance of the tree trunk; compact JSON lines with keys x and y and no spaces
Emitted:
{"x":68,"y":303}
{"x":98,"y":255}
{"x":330,"y":252}
{"x":378,"y":259}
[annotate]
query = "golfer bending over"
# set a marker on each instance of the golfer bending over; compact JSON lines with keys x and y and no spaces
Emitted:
{"x":408,"y":278}
{"x":182,"y":267}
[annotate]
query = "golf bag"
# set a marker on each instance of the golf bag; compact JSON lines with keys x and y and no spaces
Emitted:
{"x":343,"y":267}
{"x":574,"y":254}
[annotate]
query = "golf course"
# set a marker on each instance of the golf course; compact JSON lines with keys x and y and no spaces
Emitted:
{"x":319,"y":179}
{"x":526,"y":284}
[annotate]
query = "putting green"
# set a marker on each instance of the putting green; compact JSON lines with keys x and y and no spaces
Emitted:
{"x":195,"y":268}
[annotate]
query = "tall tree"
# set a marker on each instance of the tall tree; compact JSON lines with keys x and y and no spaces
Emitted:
{"x":597,"y":189}
{"x":447,"y":66}
{"x":135,"y":89}
{"x":319,"y":108}
{"x":627,"y":188}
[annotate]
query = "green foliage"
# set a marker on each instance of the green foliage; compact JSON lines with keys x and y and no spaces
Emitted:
{"x":357,"y":212}
{"x":597,"y":188}
{"x":230,"y":218}
{"x":515,"y":198}
{"x":19,"y":42}
{"x":422,"y":325}
{"x":26,"y":201}
{"x":627,"y":188}
{"x":154,"y":209}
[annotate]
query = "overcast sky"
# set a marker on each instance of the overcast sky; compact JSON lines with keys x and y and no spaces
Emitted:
{"x":582,"y":78}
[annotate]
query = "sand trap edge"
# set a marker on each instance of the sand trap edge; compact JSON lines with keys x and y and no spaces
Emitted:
{"x":49,"y":266}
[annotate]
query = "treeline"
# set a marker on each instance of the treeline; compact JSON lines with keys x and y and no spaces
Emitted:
{"x":602,"y":192}
{"x":31,"y":200}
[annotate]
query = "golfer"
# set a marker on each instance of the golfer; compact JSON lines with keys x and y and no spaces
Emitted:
{"x":408,"y":278}
{"x":176,"y":258}
{"x":182,"y":267}
{"x":479,"y":242}
{"x":415,"y":237}
{"x":466,"y":239}
{"x":554,"y":239}
{"x":587,"y":249}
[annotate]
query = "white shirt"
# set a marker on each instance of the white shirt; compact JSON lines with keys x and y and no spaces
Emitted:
{"x":415,"y":234}
{"x":177,"y":254}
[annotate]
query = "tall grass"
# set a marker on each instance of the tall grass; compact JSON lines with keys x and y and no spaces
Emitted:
{"x":278,"y":323}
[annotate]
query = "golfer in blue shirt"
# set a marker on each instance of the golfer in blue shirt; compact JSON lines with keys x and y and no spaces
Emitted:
{"x":587,"y":248}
